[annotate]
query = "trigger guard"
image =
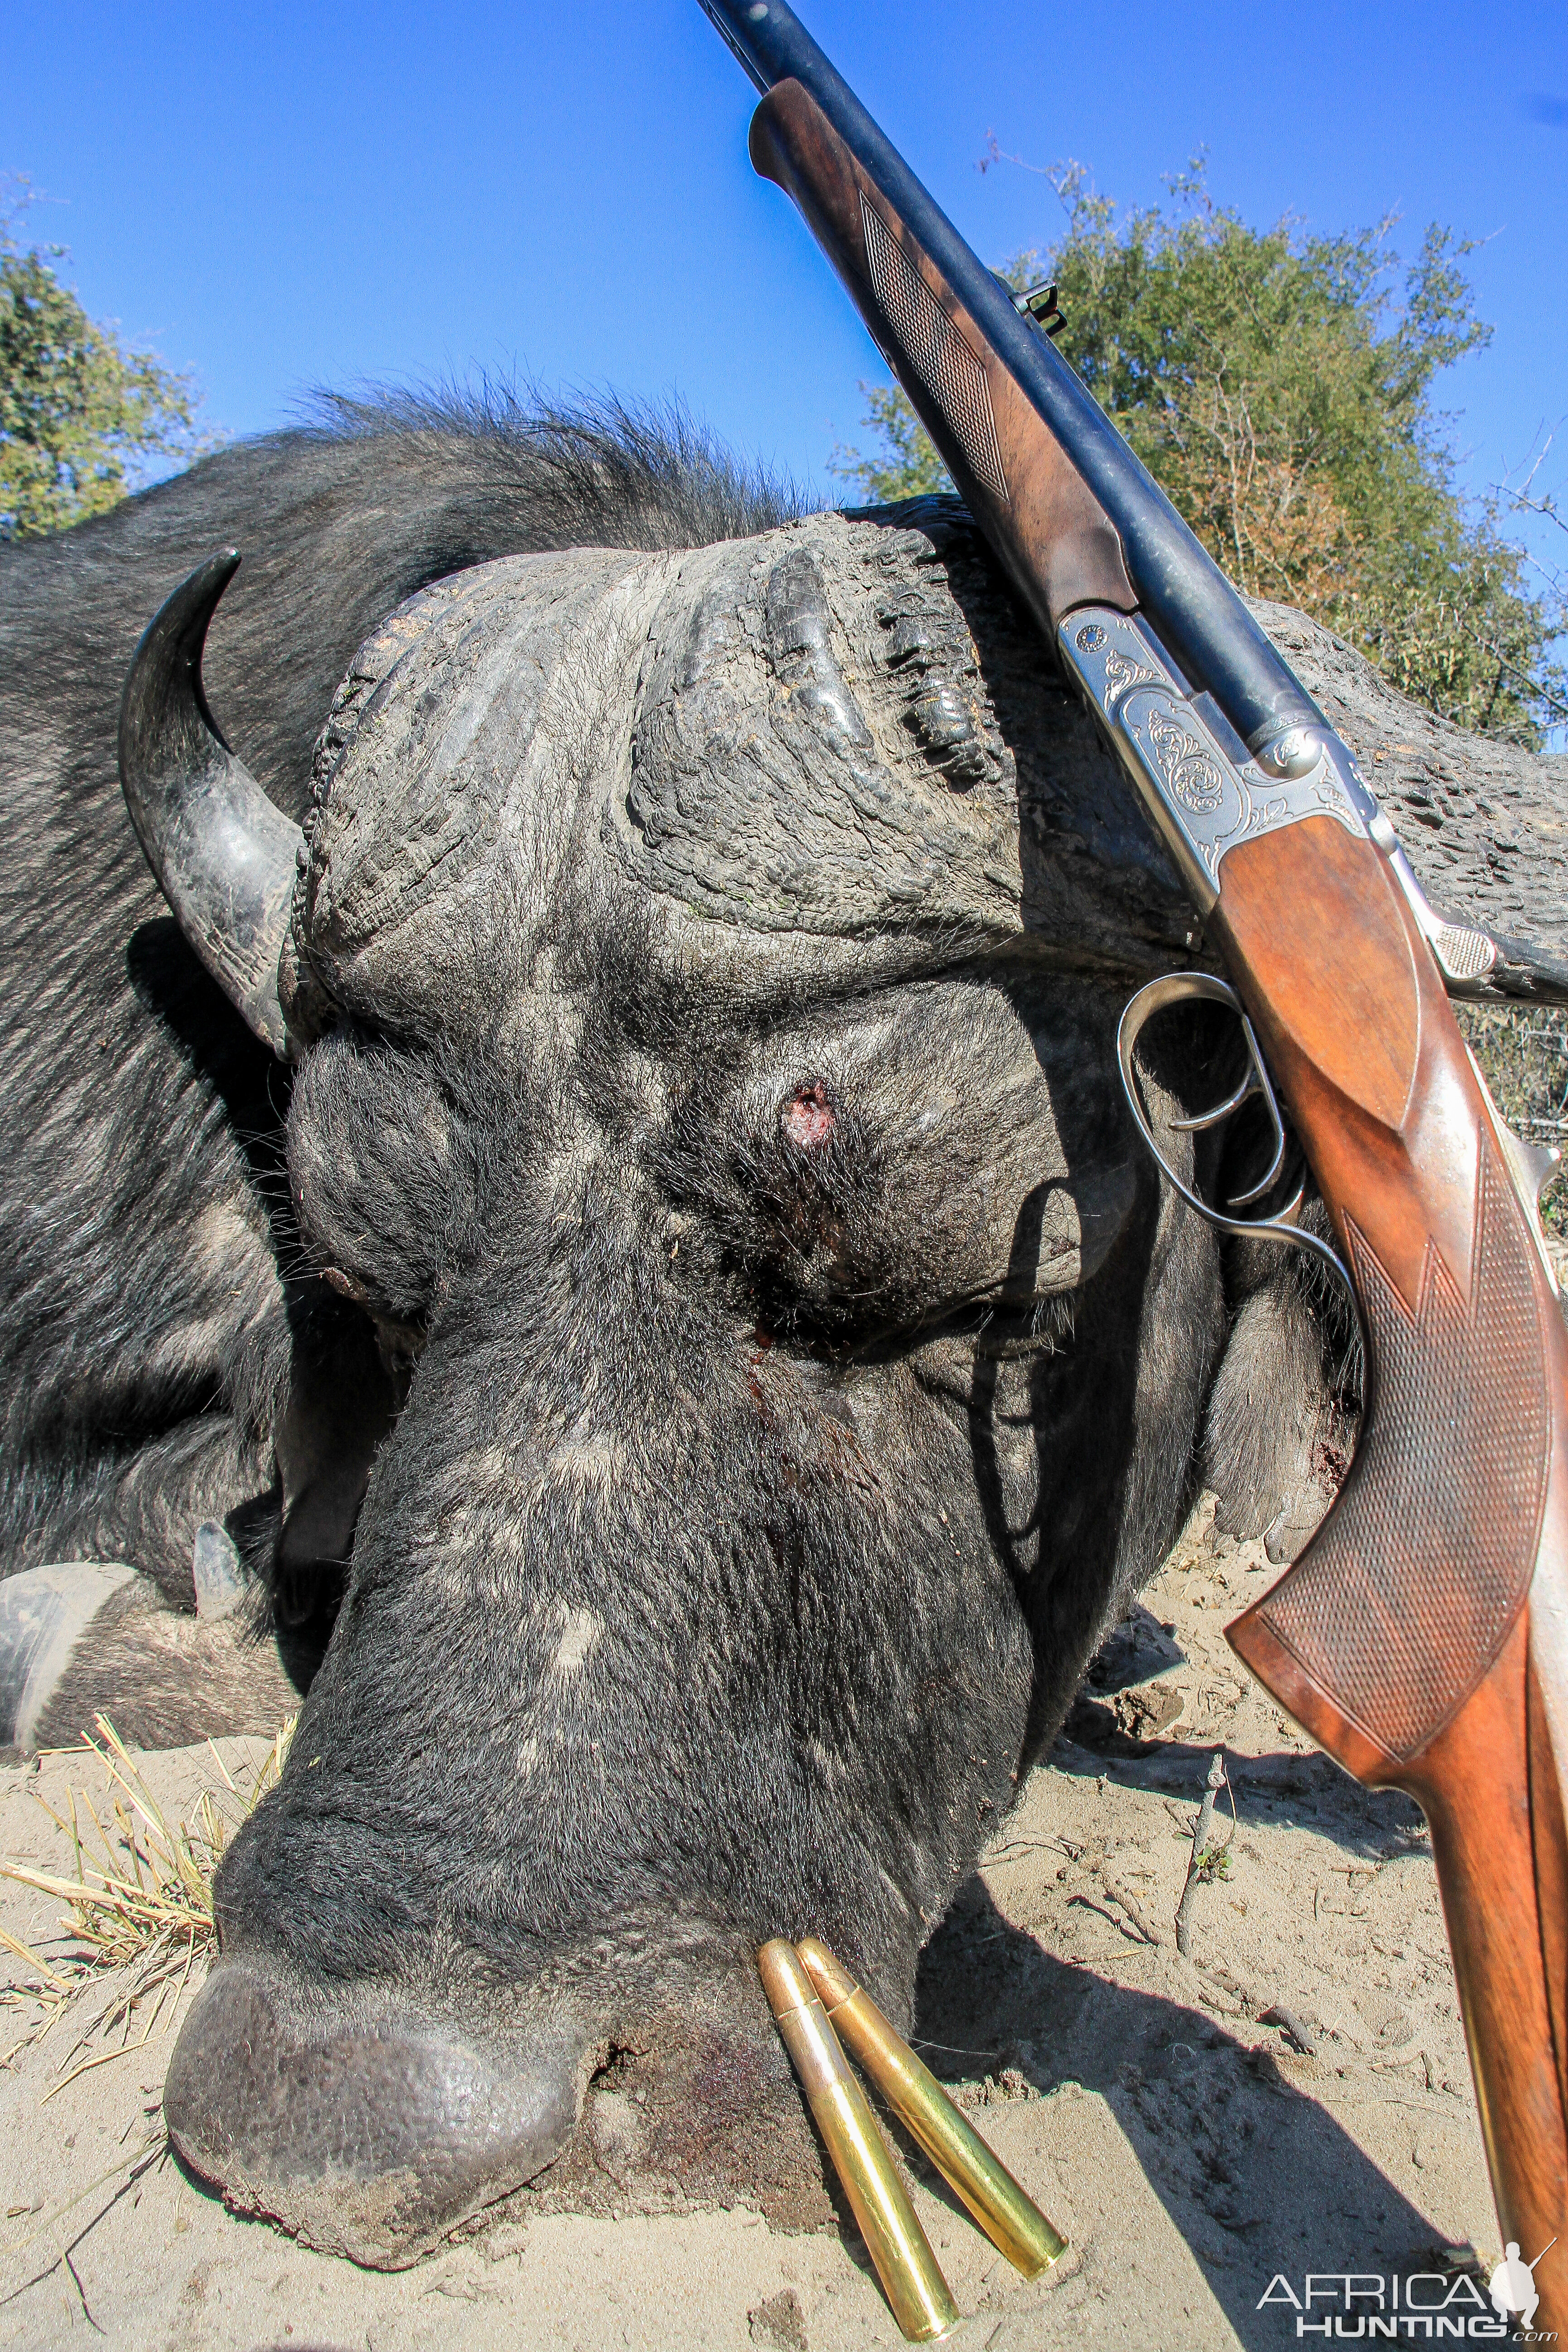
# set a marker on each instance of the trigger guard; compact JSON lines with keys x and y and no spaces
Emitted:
{"x":1201,"y":987}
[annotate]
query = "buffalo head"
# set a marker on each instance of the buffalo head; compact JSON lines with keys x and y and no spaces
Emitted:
{"x":701,"y":973}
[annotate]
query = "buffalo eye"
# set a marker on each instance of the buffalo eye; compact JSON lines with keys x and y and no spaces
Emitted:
{"x":345,"y":1285}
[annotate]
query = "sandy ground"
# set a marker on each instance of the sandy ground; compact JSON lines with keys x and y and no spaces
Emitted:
{"x":1183,"y":2140}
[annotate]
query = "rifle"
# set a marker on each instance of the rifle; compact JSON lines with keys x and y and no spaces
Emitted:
{"x":1421,"y":1636}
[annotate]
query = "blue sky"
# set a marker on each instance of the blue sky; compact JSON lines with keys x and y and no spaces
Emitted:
{"x":285,"y":197}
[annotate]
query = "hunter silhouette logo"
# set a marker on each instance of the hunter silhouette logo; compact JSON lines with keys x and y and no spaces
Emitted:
{"x":1512,"y":2286}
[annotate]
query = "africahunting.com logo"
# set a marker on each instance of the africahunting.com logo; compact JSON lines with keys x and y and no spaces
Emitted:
{"x":1430,"y":2307}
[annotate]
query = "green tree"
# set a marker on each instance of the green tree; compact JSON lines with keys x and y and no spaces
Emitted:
{"x":80,"y":414}
{"x":1277,"y":385}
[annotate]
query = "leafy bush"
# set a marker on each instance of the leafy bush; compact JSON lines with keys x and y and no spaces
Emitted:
{"x":1277,"y":386}
{"x":79,"y":414}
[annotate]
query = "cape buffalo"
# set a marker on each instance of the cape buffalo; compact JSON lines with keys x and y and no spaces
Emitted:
{"x":663,"y":1243}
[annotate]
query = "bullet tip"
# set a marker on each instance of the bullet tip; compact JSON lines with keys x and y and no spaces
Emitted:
{"x":784,"y":1981}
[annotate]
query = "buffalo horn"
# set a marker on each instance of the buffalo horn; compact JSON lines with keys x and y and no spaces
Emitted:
{"x":223,"y":856}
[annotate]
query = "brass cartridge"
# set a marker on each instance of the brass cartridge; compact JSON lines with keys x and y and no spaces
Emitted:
{"x":914,"y":2287}
{"x":1010,"y":2218}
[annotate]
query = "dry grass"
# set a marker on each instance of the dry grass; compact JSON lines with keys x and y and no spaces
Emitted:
{"x":139,"y":1920}
{"x":140,"y":1903}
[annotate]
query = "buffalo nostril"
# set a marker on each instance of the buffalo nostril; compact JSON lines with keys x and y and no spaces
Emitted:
{"x":362,"y":2124}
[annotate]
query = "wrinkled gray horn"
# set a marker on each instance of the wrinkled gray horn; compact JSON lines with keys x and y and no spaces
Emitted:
{"x":223,"y":856}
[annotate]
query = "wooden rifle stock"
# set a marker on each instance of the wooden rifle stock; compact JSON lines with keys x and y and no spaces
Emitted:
{"x":1059,"y":544}
{"x":1422,"y":1637}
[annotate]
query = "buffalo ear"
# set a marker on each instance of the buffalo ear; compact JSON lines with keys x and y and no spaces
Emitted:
{"x":1284,"y":1408}
{"x":342,"y":1400}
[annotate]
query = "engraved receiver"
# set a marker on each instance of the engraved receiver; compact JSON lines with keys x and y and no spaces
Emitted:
{"x":1422,"y":1637}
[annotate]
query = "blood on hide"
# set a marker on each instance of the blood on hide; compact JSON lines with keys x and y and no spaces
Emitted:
{"x":809,"y":1116}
